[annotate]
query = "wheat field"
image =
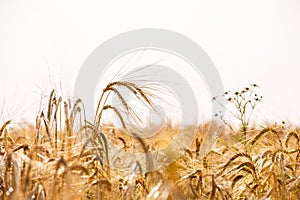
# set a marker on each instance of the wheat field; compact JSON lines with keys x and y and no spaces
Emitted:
{"x":49,"y":159}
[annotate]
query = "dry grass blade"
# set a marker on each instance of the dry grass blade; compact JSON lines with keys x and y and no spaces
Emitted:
{"x":213,"y":189}
{"x":80,"y":168}
{"x":25,"y":147}
{"x":61,"y":162}
{"x":197,"y":189}
{"x":235,"y":180}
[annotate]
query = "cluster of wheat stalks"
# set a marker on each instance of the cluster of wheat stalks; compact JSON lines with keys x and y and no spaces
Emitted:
{"x":65,"y":157}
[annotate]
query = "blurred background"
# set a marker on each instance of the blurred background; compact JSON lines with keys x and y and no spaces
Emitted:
{"x":44,"y":44}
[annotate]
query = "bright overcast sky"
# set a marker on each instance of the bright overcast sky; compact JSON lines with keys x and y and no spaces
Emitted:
{"x":251,"y":41}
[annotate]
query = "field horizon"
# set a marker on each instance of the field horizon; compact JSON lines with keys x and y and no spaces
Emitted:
{"x":62,"y":156}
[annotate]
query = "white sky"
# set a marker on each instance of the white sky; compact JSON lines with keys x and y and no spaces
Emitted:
{"x":251,"y":41}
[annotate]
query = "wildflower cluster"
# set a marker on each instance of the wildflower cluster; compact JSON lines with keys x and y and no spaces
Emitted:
{"x":243,"y":102}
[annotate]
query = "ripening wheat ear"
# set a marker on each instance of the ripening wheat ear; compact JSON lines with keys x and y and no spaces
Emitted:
{"x":51,"y":104}
{"x":4,"y":126}
{"x":46,"y":123}
{"x":113,"y":87}
{"x":261,"y":133}
{"x":99,"y":143}
{"x":290,"y":135}
{"x":107,"y":107}
{"x":239,"y":155}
